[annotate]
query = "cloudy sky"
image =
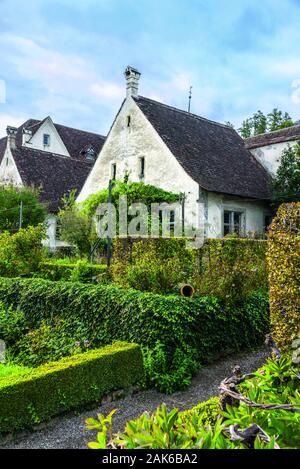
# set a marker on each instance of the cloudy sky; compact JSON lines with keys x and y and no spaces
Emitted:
{"x":66,"y":58}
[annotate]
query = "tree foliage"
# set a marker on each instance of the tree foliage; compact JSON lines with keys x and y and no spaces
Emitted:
{"x":33,"y":212}
{"x":286,"y":185}
{"x":260,"y":123}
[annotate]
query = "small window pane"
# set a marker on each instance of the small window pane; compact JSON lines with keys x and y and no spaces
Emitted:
{"x":226,"y":230}
{"x":226,"y":216}
{"x":46,"y":139}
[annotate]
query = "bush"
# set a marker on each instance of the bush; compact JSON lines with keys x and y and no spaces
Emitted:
{"x":157,"y":265}
{"x":81,"y":271}
{"x":190,"y":332}
{"x":206,"y":426}
{"x":284,"y":274}
{"x":57,"y":387}
{"x":22,"y":252}
{"x":229,"y":268}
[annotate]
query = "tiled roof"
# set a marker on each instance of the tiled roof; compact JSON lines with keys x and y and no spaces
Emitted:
{"x":213,"y":154}
{"x":278,"y":136}
{"x":54,"y":174}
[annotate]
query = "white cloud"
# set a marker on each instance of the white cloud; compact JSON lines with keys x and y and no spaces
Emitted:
{"x":107,"y":91}
{"x":7,"y":119}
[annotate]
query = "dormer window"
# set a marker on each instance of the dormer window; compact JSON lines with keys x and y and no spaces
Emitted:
{"x":46,"y":140}
{"x":90,"y":154}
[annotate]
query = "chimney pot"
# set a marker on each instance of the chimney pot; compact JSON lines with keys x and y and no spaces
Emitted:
{"x":132,"y":76}
{"x":11,"y":136}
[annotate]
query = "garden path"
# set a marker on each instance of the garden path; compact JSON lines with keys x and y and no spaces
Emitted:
{"x":69,"y":431}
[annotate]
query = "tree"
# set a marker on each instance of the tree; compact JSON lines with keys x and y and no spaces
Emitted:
{"x":11,"y":199}
{"x":286,"y":185}
{"x":246,"y":129}
{"x":259,"y":123}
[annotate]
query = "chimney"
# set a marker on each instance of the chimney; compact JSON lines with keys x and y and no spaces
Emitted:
{"x":11,"y":136}
{"x":132,"y":81}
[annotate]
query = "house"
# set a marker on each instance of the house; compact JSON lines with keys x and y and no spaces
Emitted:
{"x":268,"y":148}
{"x":183,"y":152}
{"x":51,"y":157}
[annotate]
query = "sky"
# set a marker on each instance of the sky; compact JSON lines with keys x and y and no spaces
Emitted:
{"x":66,"y":58}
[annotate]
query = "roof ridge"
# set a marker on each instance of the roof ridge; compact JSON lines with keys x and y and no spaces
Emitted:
{"x":271,"y":132}
{"x":36,"y":150}
{"x":190,"y":114}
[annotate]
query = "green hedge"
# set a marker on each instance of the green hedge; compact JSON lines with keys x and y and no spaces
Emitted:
{"x":177,"y":334}
{"x":284,"y":275}
{"x":59,"y":386}
{"x":80,"y":271}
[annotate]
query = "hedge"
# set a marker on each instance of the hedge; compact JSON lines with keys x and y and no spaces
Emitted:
{"x":81,"y":271}
{"x":284,"y":274}
{"x":60,"y":386}
{"x":187,"y":331}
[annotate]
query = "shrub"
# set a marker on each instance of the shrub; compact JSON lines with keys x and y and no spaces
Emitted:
{"x":57,"y":387}
{"x":81,"y":271}
{"x":189,"y":331}
{"x":22,"y":252}
{"x":229,"y":268}
{"x":284,"y":274}
{"x":206,"y":426}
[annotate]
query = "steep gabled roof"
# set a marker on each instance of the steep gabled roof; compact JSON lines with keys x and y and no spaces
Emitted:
{"x":54,"y":174}
{"x":213,"y":154}
{"x":76,"y":140}
{"x":278,"y":136}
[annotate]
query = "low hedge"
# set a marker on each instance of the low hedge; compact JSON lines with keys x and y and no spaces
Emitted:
{"x":57,"y":387}
{"x":80,"y":271}
{"x":177,"y":334}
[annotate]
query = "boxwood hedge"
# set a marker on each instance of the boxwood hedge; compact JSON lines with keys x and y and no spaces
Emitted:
{"x":56,"y":387}
{"x":177,"y":334}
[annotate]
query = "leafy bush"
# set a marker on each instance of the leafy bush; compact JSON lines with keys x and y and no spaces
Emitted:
{"x":57,"y":387}
{"x":157,"y":265}
{"x":22,"y":252}
{"x":7,"y":370}
{"x":81,"y":271}
{"x":206,"y":426}
{"x":284,"y":274}
{"x":176,"y":333}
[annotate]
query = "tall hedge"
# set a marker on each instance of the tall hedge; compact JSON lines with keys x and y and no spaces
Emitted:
{"x":284,"y":274}
{"x":66,"y":384}
{"x":200,"y":329}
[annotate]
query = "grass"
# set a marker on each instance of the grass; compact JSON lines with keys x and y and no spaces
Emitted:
{"x":7,"y":370}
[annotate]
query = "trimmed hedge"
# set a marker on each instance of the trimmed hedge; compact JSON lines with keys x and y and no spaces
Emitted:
{"x":284,"y":275}
{"x":60,"y":386}
{"x":81,"y":271}
{"x":177,"y":334}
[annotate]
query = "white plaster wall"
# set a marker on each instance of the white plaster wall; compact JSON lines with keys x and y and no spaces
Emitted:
{"x":56,"y":144}
{"x":270,"y":156}
{"x":254,"y":213}
{"x":9,"y":173}
{"x":50,"y":225}
{"x":125,"y":145}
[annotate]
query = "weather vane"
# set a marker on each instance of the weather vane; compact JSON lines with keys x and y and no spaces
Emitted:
{"x":190,"y":98}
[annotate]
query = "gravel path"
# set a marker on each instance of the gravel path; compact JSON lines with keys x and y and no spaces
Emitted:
{"x":69,"y":431}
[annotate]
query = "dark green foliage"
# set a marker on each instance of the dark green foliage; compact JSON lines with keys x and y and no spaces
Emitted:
{"x":286,"y":185}
{"x":191,"y":331}
{"x":207,"y":427}
{"x":10,"y":198}
{"x":60,"y":386}
{"x":81,"y":271}
{"x":284,"y":274}
{"x":259,"y":123}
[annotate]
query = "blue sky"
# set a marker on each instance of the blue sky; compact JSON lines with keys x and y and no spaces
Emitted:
{"x":66,"y":58}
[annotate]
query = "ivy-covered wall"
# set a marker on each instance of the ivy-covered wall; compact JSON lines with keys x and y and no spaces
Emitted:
{"x":284,"y":274}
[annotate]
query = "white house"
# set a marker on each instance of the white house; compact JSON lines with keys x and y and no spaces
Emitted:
{"x":183,"y":152}
{"x":51,"y":157}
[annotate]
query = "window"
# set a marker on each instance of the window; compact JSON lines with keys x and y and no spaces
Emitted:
{"x":46,"y":140}
{"x":232,"y":222}
{"x":128,"y":120}
{"x":113,"y":171}
{"x":267,"y":221}
{"x":142,"y":167}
